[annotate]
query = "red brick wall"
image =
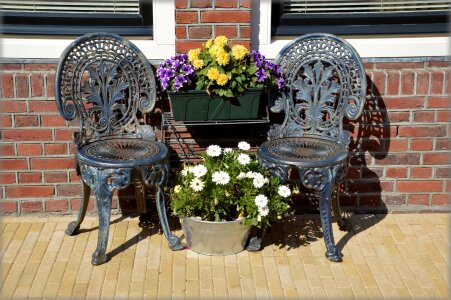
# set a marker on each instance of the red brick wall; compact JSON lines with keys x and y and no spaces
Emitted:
{"x":401,"y":159}
{"x":198,"y":20}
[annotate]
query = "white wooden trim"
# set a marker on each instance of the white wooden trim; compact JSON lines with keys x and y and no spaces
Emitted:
{"x":386,"y":46}
{"x":160,"y":47}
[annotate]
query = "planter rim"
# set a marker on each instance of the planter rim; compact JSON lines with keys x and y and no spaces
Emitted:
{"x":213,"y":222}
{"x":194,"y":91}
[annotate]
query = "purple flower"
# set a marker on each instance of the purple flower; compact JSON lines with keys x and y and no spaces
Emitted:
{"x":261,"y":75}
{"x":188,"y":69}
{"x":280,"y":82}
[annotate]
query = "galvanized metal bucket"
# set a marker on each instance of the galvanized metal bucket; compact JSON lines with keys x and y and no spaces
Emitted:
{"x":215,"y":238}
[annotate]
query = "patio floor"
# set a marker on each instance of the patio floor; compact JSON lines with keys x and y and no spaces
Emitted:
{"x":385,"y":256}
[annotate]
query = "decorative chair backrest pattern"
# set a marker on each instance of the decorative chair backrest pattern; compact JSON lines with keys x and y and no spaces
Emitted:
{"x":325,"y":81}
{"x":104,"y":80}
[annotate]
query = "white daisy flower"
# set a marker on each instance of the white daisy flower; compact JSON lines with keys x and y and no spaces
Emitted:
{"x":258,"y":180}
{"x":244,"y":159}
{"x":244,"y":146}
{"x":241,"y":175}
{"x":261,"y":201}
{"x":177,"y":189}
{"x":186,"y":170}
{"x":214,"y":150}
{"x":284,"y":191}
{"x":228,"y":150}
{"x":197,"y":184}
{"x":220,"y":177}
{"x":250,"y":174}
{"x":263,"y":211}
{"x":199,"y":170}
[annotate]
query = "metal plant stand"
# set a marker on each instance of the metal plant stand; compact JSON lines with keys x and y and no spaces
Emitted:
{"x":107,"y":83}
{"x":325,"y":82}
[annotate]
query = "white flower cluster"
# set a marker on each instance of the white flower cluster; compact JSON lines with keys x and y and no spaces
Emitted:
{"x":262,"y":203}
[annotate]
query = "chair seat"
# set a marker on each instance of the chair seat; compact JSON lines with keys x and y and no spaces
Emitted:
{"x":122,"y":152}
{"x":303,"y":152}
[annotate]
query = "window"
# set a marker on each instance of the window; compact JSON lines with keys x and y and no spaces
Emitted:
{"x":352,"y":17}
{"x":71,"y":17}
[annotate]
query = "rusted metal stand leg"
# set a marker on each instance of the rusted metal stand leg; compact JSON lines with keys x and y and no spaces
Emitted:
{"x":73,"y":227}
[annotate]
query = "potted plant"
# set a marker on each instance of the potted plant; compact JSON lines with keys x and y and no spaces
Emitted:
{"x":225,"y":194}
{"x":217,"y":81}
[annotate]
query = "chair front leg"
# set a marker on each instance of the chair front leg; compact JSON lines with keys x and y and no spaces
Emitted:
{"x":73,"y":227}
{"x":322,"y":180}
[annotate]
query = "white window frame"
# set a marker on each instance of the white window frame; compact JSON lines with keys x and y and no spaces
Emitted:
{"x":381,"y":46}
{"x":160,"y":47}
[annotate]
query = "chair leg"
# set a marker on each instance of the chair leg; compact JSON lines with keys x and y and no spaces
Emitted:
{"x":73,"y":227}
{"x":103,"y":200}
{"x":325,"y":213}
{"x":337,"y":210}
{"x":141,"y":205}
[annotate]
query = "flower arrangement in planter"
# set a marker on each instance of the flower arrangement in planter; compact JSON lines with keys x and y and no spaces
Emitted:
{"x":219,"y":70}
{"x":228,"y":185}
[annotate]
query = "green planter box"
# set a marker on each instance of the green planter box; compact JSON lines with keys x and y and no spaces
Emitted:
{"x":199,"y":106}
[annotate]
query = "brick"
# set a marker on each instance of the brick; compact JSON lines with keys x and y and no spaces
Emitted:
{"x":26,"y":121}
{"x":396,"y":172}
{"x":22,"y":86}
{"x":448,"y":186}
{"x":421,"y":144}
{"x":395,"y":117}
{"x":228,"y":31}
{"x":40,"y":67}
{"x":64,"y":135}
{"x":393,"y":83}
{"x":15,"y":106}
{"x":200,"y":32}
{"x":14,"y":67}
{"x":7,"y":178}
{"x":7,"y":86}
{"x":56,"y":205}
{"x":245,"y":31}
{"x":8,"y":207}
{"x":29,"y":149}
{"x":443,"y":144}
{"x":181,"y":4}
{"x":404,"y":102}
{"x":52,"y":121}
{"x":419,"y":186}
{"x":37,"y":85}
{"x":13,"y":164}
{"x":437,"y":82}
{"x":246,"y":44}
{"x":30,"y":206}
{"x":30,"y":177}
{"x":438,"y":64}
{"x":437,"y":158}
{"x":201,"y":3}
{"x":441,"y":199}
{"x":368,"y":186}
{"x":439,"y":102}
{"x":395,"y":199}
{"x":379,"y":83}
{"x":55,"y":177}
{"x":73,"y":177}
{"x":226,"y":3}
{"x":422,"y":86}
{"x":188,"y":17}
{"x":55,"y":149}
{"x":69,"y":190}
{"x":52,"y":163}
{"x":400,"y":159}
{"x":246,"y":4}
{"x":420,"y":172}
{"x":448,"y":82}
{"x":443,"y":172}
{"x":424,"y":116}
{"x":443,"y":116}
{"x":399,"y":65}
{"x":7,"y":149}
{"x":5,"y":121}
{"x":421,"y":199}
{"x":407,"y":83}
{"x":422,"y":131}
{"x":27,"y":135}
{"x":43,"y":106}
{"x":226,"y":16}
{"x":185,"y":46}
{"x":75,"y":205}
{"x":180,"y":32}
{"x":397,"y":145}
{"x":370,"y":200}
{"x":50,"y":79}
{"x":30,"y":191}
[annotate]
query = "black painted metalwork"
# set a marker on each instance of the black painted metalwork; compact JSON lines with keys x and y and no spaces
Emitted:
{"x":325,"y":83}
{"x":106,"y":82}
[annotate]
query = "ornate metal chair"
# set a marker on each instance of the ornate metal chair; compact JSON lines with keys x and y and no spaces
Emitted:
{"x":108,"y":84}
{"x":325,"y":82}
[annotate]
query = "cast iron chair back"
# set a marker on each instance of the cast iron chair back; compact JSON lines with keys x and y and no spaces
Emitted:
{"x":325,"y":82}
{"x":108,"y":84}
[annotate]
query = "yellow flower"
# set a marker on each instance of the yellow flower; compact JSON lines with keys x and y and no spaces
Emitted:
{"x":214,"y":50}
{"x":209,"y":43}
{"x":193,"y":54}
{"x":222,"y":57}
{"x":221,"y":41}
{"x":222,"y":79}
{"x":212,"y":73}
{"x":239,"y":51}
{"x":198,"y":63}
